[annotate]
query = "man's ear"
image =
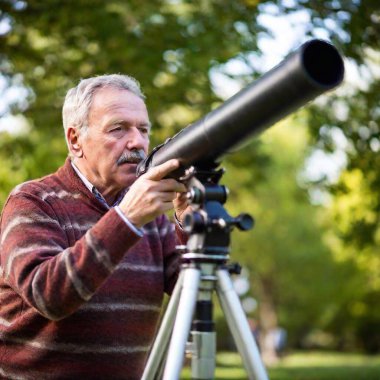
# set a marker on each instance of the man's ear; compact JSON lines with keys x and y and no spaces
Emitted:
{"x":74,"y":142}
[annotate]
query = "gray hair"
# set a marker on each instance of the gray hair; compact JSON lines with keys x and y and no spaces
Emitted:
{"x":78,"y":101}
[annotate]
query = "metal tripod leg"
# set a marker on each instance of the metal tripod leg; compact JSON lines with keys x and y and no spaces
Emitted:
{"x":182,"y":325}
{"x":176,"y":323}
{"x":159,"y":349}
{"x":239,"y":327}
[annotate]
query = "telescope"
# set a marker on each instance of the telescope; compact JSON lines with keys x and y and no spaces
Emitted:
{"x":311,"y":70}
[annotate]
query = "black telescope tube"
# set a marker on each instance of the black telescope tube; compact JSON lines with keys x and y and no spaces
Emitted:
{"x":311,"y":70}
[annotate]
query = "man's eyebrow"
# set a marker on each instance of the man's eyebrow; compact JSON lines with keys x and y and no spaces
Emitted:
{"x":123,"y":121}
{"x":148,"y":125}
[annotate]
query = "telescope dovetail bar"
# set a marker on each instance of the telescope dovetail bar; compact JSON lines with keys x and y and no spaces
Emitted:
{"x":311,"y":70}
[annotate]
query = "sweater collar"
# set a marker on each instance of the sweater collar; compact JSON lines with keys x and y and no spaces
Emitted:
{"x":94,"y":191}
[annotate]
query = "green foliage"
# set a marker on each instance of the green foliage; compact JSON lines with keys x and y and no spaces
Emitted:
{"x":290,"y":267}
{"x":355,"y":112}
{"x":171,"y":46}
{"x":354,"y":213}
{"x":166,"y":45}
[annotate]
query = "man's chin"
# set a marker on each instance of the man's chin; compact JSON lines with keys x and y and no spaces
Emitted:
{"x":127,"y":173}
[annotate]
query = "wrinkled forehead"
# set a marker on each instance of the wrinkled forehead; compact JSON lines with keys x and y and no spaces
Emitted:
{"x":118,"y":103}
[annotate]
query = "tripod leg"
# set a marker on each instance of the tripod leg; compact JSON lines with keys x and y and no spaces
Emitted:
{"x":239,"y":327}
{"x":182,"y":325}
{"x":203,"y":354}
{"x":161,"y":342}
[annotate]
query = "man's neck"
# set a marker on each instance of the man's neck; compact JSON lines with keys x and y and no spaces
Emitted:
{"x":110,"y":200}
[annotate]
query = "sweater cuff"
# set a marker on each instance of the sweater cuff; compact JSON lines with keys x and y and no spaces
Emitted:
{"x":137,"y":231}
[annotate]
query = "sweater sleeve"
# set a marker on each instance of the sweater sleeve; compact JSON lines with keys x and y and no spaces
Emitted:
{"x":38,"y":263}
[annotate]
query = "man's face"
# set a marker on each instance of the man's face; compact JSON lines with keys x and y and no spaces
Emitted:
{"x":118,"y":125}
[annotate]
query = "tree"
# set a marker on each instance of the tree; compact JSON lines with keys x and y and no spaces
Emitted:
{"x":166,"y":44}
{"x":355,"y":205}
{"x":173,"y":47}
{"x":293,"y":274}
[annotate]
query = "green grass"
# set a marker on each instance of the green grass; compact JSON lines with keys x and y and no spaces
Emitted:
{"x":303,"y":366}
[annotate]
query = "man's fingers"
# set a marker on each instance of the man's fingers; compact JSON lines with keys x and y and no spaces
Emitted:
{"x":160,"y":171}
{"x":170,"y":184}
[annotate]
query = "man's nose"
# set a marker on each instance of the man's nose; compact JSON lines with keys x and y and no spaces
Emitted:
{"x":135,"y":138}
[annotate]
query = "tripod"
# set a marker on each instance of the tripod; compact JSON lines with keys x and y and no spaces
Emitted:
{"x":204,"y":270}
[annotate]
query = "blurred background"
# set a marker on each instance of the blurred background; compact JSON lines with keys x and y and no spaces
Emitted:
{"x":312,"y":263}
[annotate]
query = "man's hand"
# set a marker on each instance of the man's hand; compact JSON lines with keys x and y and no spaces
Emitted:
{"x":151,"y":195}
{"x":181,"y":206}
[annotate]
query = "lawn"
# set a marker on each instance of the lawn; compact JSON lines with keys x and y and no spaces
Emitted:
{"x":303,"y":366}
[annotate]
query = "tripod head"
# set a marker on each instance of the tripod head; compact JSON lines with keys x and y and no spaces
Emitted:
{"x":209,"y":224}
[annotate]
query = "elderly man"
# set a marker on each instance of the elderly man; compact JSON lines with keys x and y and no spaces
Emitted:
{"x":87,"y":252}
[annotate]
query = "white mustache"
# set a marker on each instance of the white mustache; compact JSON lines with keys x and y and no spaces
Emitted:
{"x":132,"y":157}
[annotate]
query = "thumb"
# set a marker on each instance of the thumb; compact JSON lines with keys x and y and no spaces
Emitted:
{"x":158,"y":172}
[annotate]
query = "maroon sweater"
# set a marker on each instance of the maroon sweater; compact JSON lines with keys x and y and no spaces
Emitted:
{"x":80,"y":292}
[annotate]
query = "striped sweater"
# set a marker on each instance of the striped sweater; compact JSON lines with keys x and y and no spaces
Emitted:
{"x":80,"y":293}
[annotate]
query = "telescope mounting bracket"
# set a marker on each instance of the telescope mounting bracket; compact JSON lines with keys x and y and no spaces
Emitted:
{"x":209,"y":224}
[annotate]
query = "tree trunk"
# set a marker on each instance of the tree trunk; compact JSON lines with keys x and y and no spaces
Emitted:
{"x":268,"y":323}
